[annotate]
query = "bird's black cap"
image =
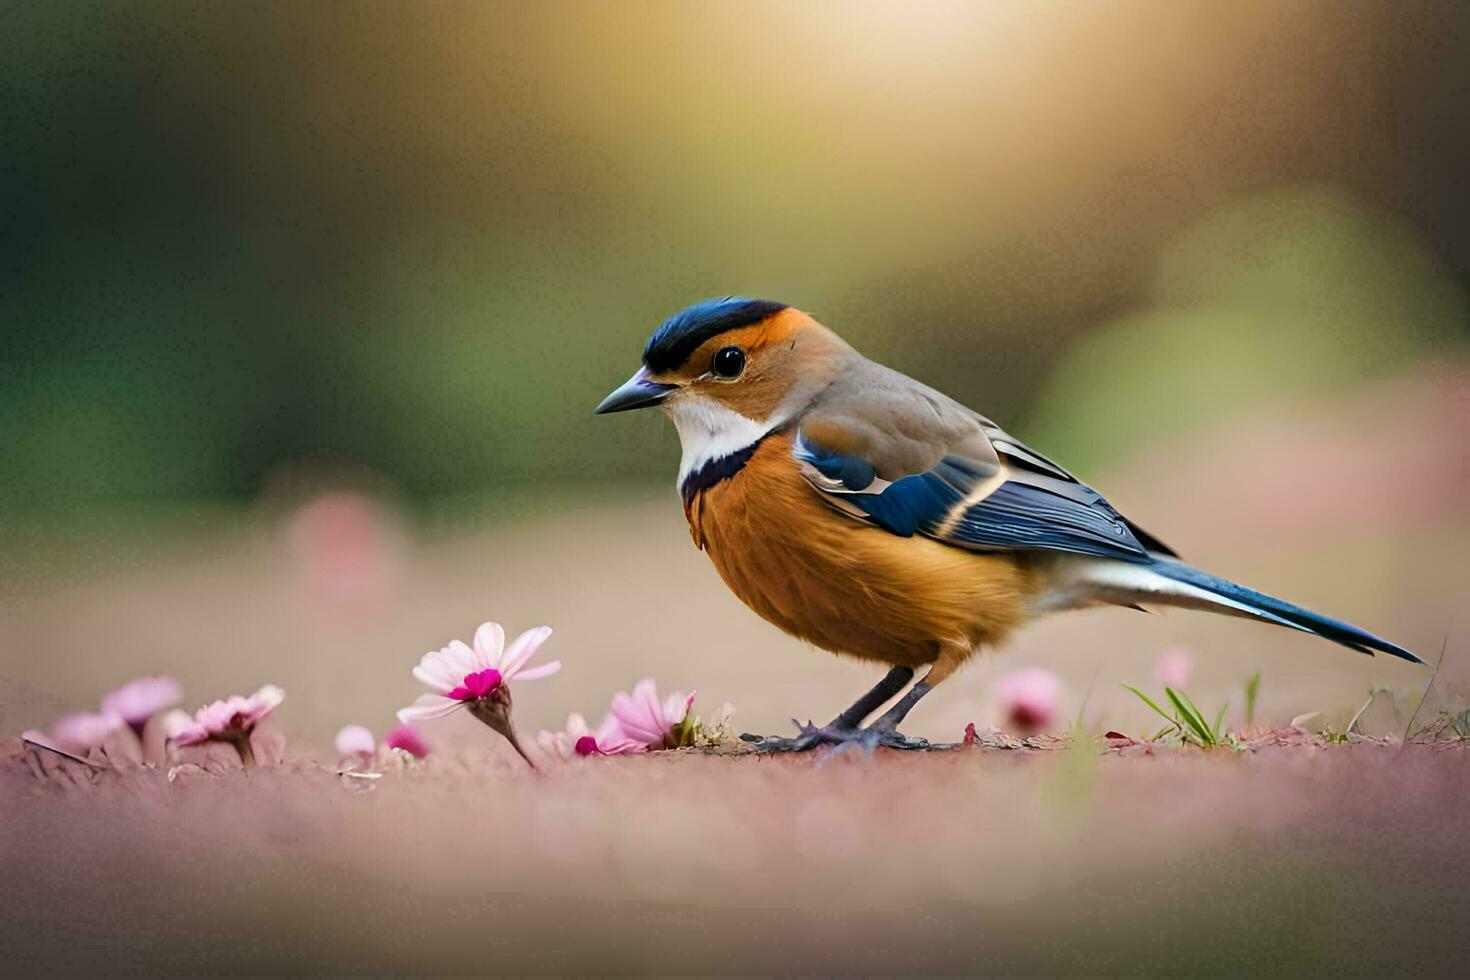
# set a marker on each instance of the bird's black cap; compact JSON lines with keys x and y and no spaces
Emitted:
{"x":681,"y":334}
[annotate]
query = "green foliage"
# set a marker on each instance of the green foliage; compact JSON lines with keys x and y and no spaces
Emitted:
{"x":198,"y":293}
{"x":684,"y":734}
{"x":1450,"y":725}
{"x":706,"y":734}
{"x":1187,"y":723}
{"x":1459,"y":723}
{"x":1258,"y":329}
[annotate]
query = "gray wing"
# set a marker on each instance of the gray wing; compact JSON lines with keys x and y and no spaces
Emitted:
{"x":889,"y":451}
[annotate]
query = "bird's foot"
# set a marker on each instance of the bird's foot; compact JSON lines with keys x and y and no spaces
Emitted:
{"x":811,"y":736}
{"x":808,"y":737}
{"x":888,"y":738}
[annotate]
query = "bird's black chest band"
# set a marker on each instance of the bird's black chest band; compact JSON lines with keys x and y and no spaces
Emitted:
{"x":717,"y":470}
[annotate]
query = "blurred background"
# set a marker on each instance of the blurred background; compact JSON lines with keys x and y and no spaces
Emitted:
{"x":305,"y":308}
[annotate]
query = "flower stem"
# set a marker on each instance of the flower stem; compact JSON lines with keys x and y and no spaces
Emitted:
{"x":494,"y":713}
{"x":515,"y":743}
{"x":241,"y":742}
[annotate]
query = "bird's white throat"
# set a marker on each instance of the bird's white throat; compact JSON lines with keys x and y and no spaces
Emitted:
{"x":709,"y":430}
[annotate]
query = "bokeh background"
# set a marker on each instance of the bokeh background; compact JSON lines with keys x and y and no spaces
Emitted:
{"x":305,"y":308}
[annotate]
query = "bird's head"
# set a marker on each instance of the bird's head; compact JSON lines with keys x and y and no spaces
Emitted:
{"x":728,"y":371}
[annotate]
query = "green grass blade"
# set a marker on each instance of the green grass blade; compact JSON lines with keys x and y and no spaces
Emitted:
{"x":1216,"y":730}
{"x":1186,"y":706}
{"x":1152,"y":704}
{"x":1192,"y":719}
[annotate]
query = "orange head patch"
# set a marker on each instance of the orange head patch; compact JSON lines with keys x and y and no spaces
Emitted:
{"x":748,"y":367}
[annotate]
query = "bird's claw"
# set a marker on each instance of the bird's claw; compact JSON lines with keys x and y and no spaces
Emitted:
{"x":811,"y":736}
{"x":888,"y":738}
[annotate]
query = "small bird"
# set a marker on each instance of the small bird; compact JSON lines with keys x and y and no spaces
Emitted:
{"x":870,"y":515}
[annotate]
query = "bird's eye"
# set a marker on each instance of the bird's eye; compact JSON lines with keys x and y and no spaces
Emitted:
{"x":728,"y":362}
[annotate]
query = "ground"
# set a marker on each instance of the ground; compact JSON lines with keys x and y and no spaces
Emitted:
{"x":1293,"y":855}
{"x":1293,"y":858}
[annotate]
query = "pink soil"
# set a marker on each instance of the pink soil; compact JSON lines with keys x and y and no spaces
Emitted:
{"x":1289,"y":858}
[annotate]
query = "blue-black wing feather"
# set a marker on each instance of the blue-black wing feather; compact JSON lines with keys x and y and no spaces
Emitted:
{"x":1024,"y":516}
{"x":1032,"y":511}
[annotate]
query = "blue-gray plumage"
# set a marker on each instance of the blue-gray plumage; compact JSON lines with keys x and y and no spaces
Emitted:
{"x":1047,"y":511}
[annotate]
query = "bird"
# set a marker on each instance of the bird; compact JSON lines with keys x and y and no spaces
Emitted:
{"x":870,"y":515}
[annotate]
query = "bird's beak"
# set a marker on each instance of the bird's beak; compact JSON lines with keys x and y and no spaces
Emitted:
{"x":636,"y":392}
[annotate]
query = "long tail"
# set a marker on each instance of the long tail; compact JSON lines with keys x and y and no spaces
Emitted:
{"x":1165,"y":581}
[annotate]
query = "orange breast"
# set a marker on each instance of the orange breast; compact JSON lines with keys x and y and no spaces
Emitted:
{"x":842,"y":585}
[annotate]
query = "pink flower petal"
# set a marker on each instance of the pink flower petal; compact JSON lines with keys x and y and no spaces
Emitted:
{"x":435,"y":671}
{"x":489,"y":646}
{"x":84,"y":730}
{"x":524,"y":647}
{"x":354,"y":740}
{"x":676,"y":707}
{"x":646,"y":694}
{"x":479,"y":684}
{"x":429,"y":706}
{"x":612,"y":740}
{"x":230,"y":717}
{"x":192,"y":734}
{"x":538,"y":672}
{"x":633,"y":717}
{"x":407,"y":738}
{"x":460,"y":659}
{"x":610,"y":731}
{"x":641,"y":715}
{"x":263,"y":702}
{"x":175,"y":723}
{"x":138,"y":700}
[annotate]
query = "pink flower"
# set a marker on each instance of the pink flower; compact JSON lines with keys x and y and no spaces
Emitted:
{"x":1028,"y":698}
{"x":649,"y":722}
{"x":138,"y":700}
{"x":463,"y":674}
{"x":355,"y":740}
{"x":478,"y":678}
{"x":579,"y":740}
{"x":175,"y":723}
{"x":130,"y":706}
{"x":80,"y":732}
{"x":407,"y":738}
{"x":232,"y":720}
{"x":1174,"y":669}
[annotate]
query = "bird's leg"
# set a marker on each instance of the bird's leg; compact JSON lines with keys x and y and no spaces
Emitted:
{"x":885,"y":731}
{"x":859,"y":710}
{"x":841,"y":728}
